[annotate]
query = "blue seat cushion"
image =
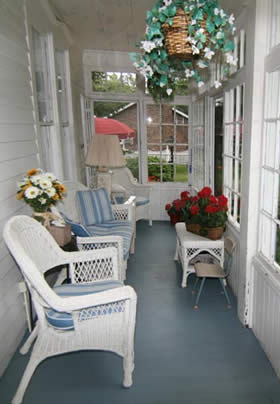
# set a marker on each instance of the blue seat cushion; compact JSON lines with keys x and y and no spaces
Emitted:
{"x":115,"y":228}
{"x":63,"y":320}
{"x":95,"y":206}
{"x":77,"y":228}
{"x":140,"y":200}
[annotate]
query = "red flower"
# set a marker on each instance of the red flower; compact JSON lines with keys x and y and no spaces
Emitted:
{"x":211,"y":209}
{"x":168,"y":206}
{"x":222,"y":201}
{"x":205,"y":192}
{"x":194,"y":210}
{"x":194,"y":199}
{"x":213,"y":199}
{"x":185,"y":195}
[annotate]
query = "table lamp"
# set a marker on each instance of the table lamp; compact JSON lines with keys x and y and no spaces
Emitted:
{"x":105,"y":152}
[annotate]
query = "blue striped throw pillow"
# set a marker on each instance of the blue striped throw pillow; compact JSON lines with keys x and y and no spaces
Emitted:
{"x":95,"y":206}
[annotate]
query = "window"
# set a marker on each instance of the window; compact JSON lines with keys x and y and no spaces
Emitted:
{"x":167,"y":142}
{"x":274,"y":26}
{"x":233,"y":131}
{"x":270,"y":212}
{"x":198,"y":145}
{"x":114,"y":82}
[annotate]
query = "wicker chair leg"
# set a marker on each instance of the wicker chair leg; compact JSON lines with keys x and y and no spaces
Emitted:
{"x":128,"y":367}
{"x":26,"y":346}
{"x":29,"y":370}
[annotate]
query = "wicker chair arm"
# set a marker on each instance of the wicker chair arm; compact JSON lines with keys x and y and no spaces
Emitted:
{"x":125,"y":211}
{"x":74,"y":303}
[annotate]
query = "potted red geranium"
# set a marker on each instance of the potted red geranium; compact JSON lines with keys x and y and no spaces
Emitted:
{"x":205,"y":214}
{"x":175,"y":209}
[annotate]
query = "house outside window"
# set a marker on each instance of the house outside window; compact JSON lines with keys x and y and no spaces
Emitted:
{"x":167,"y":142}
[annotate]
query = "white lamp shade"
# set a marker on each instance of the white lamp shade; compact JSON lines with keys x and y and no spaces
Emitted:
{"x":105,"y":151}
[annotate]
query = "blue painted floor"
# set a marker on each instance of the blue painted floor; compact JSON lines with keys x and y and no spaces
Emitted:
{"x":182,"y":355}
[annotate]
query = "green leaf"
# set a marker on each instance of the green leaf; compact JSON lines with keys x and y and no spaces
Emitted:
{"x":170,"y":21}
{"x":162,"y":17}
{"x":199,"y":45}
{"x":203,"y":38}
{"x":229,"y":46}
{"x":210,"y":26}
{"x":217,"y":20}
{"x":163,"y":79}
{"x":198,"y":15}
{"x":163,"y":54}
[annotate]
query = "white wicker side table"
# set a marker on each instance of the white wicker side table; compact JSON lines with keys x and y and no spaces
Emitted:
{"x":189,"y":245}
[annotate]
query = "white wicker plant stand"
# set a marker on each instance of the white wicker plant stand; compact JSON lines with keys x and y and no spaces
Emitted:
{"x":189,"y":245}
{"x":101,"y":321}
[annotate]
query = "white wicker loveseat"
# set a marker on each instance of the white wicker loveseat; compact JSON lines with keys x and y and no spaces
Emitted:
{"x":96,"y":312}
{"x":120,"y":234}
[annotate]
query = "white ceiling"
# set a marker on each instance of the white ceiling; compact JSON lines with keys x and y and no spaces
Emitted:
{"x":114,"y":24}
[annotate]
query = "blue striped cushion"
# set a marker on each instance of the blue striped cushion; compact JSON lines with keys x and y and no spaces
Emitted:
{"x":63,"y":320}
{"x":115,"y":228}
{"x":95,"y":206}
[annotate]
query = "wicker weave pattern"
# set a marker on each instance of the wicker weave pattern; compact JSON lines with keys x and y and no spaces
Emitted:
{"x":113,"y":324}
{"x":176,"y":35}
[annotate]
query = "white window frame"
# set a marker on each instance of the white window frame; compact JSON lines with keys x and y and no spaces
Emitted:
{"x":197,"y":146}
{"x":162,"y":144}
{"x":48,"y":128}
{"x":233,"y":124}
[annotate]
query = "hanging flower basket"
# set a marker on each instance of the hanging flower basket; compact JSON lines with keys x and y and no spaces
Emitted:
{"x":176,"y":42}
{"x":181,"y":39}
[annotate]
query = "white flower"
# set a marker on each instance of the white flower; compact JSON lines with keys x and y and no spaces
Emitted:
{"x":45,"y":183}
{"x":231,"y":19}
{"x":191,"y":8}
{"x":231,"y":59}
{"x":154,"y":19}
{"x":161,"y":84}
{"x":162,"y":8}
{"x":200,"y":31}
{"x":217,"y":84}
{"x":169,"y":91}
{"x":21,"y":184}
{"x":216,"y":11}
{"x":159,"y":42}
{"x":148,"y":46}
{"x":195,"y":50}
{"x":201,"y":64}
{"x":51,"y":192}
{"x":193,"y":22}
{"x":191,"y":40}
{"x":31,"y":192}
{"x":189,"y":73}
{"x":208,"y":53}
{"x":222,"y":13}
{"x":43,"y":201}
{"x":50,"y":176}
{"x":219,"y":35}
{"x":200,"y":83}
{"x":167,"y":2}
{"x":35,"y":179}
{"x":147,"y":29}
{"x":233,"y":29}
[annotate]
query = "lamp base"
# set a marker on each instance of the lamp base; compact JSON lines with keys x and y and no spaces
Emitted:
{"x":104,"y":180}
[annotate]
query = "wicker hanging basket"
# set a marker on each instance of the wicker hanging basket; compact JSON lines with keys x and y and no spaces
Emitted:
{"x":176,"y":35}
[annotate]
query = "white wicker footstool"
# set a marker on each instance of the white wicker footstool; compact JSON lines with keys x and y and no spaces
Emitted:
{"x":189,"y":245}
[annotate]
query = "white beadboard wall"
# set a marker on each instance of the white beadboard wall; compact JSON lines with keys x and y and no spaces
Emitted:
{"x":266,"y":311}
{"x":18,"y":152}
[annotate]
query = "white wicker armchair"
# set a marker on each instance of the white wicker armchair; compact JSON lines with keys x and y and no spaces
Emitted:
{"x":101,"y":318}
{"x":124,"y":182}
{"x":121,"y":212}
